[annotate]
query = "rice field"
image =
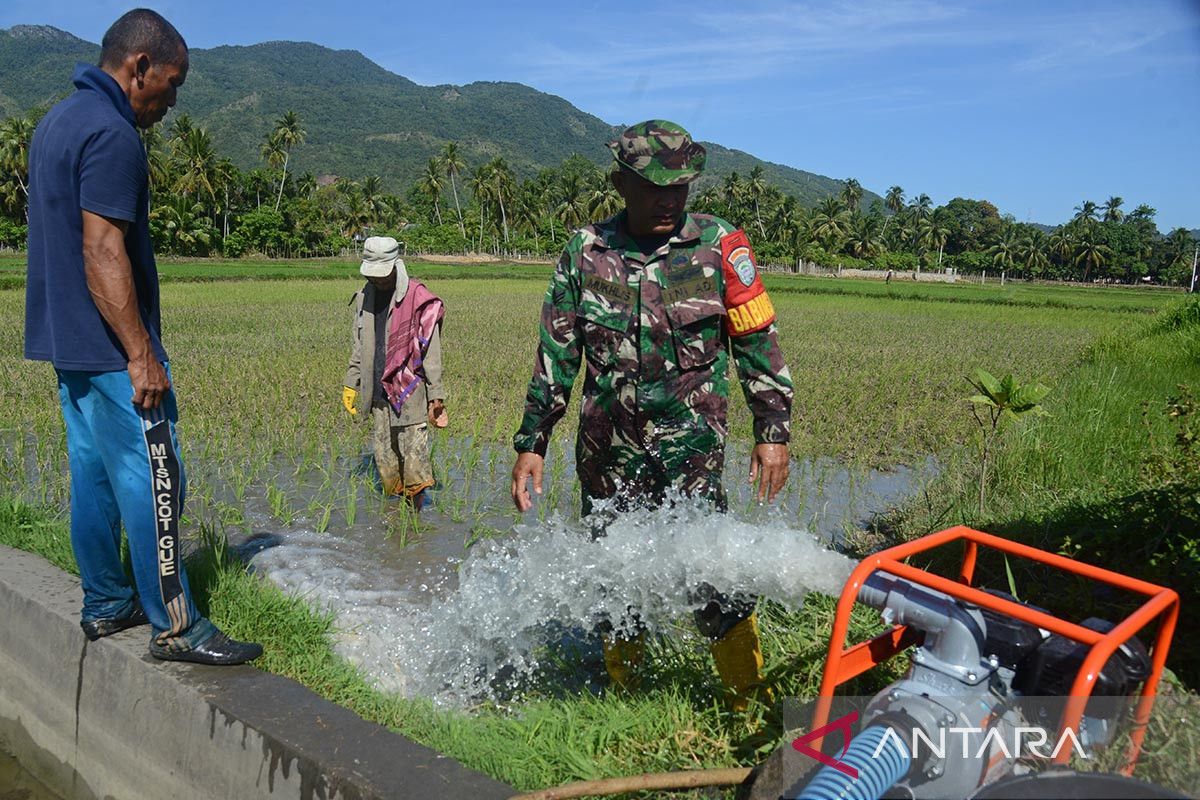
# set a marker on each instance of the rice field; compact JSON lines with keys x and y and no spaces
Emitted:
{"x":880,"y":374}
{"x":258,"y":366}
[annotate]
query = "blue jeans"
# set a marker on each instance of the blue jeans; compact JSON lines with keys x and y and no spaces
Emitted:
{"x":125,"y":467}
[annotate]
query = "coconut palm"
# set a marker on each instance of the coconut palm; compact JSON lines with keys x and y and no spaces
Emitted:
{"x":1006,"y":251}
{"x":1112,"y":210}
{"x":756,"y":187}
{"x":288,"y":134}
{"x":453,"y":164}
{"x":572,"y":206}
{"x":195,"y":164}
{"x":935,"y":230}
{"x":828,"y":223}
{"x":1085,"y":213}
{"x":894,"y":199}
{"x":851,"y":195}
{"x":273,"y":152}
{"x":430,"y":184}
{"x":920,"y":208}
{"x":481,"y":191}
{"x":1091,"y":253}
{"x":1031,"y":252}
{"x":15,"y":136}
{"x":182,"y":226}
{"x":375,"y":204}
{"x":732,"y":192}
{"x":865,"y":236}
{"x":158,"y":157}
{"x":603,"y":200}
{"x":502,"y":188}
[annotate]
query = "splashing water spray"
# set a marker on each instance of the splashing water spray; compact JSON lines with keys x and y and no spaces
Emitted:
{"x":482,"y":639}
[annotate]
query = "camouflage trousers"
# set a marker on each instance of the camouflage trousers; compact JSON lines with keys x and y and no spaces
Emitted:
{"x":640,"y":479}
{"x":401,"y":453}
{"x":637,"y":470}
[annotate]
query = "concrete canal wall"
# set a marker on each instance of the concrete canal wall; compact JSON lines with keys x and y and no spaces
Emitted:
{"x":99,"y":720}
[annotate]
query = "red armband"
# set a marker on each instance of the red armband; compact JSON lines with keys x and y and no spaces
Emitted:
{"x":747,"y":307}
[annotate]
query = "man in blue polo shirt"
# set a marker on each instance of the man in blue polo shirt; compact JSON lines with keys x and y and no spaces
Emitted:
{"x":92,"y":310}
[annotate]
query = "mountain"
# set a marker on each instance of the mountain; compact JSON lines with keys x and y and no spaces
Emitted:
{"x":360,"y":118}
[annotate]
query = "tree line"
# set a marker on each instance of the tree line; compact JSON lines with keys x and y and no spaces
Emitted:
{"x":202,"y":204}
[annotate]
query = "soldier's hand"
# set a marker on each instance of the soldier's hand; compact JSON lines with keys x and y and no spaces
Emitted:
{"x":529,"y":465}
{"x":769,"y":467}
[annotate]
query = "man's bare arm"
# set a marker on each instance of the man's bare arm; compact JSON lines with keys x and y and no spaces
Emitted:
{"x":110,"y":281}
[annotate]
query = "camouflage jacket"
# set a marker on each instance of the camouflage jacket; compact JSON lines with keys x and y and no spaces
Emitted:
{"x":656,"y":332}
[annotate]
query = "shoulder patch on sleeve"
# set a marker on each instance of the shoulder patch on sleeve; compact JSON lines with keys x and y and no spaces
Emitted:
{"x":749,"y":308}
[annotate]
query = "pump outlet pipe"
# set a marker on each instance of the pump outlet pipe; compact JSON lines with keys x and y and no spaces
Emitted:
{"x":876,"y":774}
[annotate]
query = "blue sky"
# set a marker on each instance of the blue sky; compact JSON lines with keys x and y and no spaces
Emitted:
{"x":1035,"y":105}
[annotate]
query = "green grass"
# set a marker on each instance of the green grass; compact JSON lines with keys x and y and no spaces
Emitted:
{"x":198,"y":270}
{"x":880,"y":374}
{"x":1109,"y":477}
{"x":1038,"y":295}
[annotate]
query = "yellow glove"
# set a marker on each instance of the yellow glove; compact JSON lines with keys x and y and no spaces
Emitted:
{"x":350,"y":400}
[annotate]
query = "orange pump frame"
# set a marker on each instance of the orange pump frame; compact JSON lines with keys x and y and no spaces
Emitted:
{"x":844,"y":663}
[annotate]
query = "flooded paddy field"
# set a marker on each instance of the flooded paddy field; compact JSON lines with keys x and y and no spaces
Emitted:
{"x":430,"y":606}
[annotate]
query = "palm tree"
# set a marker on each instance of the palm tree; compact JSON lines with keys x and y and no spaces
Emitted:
{"x":181,"y":126}
{"x":481,"y":190}
{"x":1178,"y":246}
{"x":894,"y":200}
{"x":572,"y":207}
{"x":851,"y":195}
{"x":453,"y":164}
{"x":526,"y":211}
{"x":1032,"y":252}
{"x":732,"y":192}
{"x":183,"y":226}
{"x":603,"y":200}
{"x":1005,"y":252}
{"x":865,"y":236}
{"x":430,"y":184}
{"x":195,"y":161}
{"x":15,"y":136}
{"x":502,"y":188}
{"x":1085,"y":213}
{"x":289,"y":134}
{"x":1090,"y":253}
{"x":157,"y":157}
{"x":375,"y":206}
{"x":921,"y":207}
{"x":829,"y":222}
{"x":1112,"y":210}
{"x":756,"y":186}
{"x":273,"y":152}
{"x":935,"y":230}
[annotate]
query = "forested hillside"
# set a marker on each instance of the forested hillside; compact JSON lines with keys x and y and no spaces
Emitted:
{"x":360,"y":119}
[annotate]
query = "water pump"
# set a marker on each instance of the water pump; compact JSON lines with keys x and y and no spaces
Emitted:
{"x":996,"y":688}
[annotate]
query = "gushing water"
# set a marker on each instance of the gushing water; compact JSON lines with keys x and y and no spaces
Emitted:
{"x":483,"y":637}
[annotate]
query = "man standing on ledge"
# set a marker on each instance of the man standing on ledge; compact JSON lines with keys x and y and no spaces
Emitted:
{"x":92,"y":310}
{"x":654,"y":300}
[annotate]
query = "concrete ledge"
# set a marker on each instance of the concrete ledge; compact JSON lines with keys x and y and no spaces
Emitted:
{"x":103,"y":719}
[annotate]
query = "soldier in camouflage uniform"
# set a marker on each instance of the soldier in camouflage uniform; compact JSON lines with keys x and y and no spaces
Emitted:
{"x":654,"y":301}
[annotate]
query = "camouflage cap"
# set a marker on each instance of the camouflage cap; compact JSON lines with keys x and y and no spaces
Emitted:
{"x":660,"y":151}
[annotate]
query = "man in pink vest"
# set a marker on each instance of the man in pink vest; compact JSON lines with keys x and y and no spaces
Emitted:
{"x":395,"y":372}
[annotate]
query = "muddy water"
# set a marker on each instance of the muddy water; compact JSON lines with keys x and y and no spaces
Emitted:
{"x":463,"y":602}
{"x":17,"y":784}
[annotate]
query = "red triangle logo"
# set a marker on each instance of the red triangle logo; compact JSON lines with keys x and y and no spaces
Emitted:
{"x":843,"y":724}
